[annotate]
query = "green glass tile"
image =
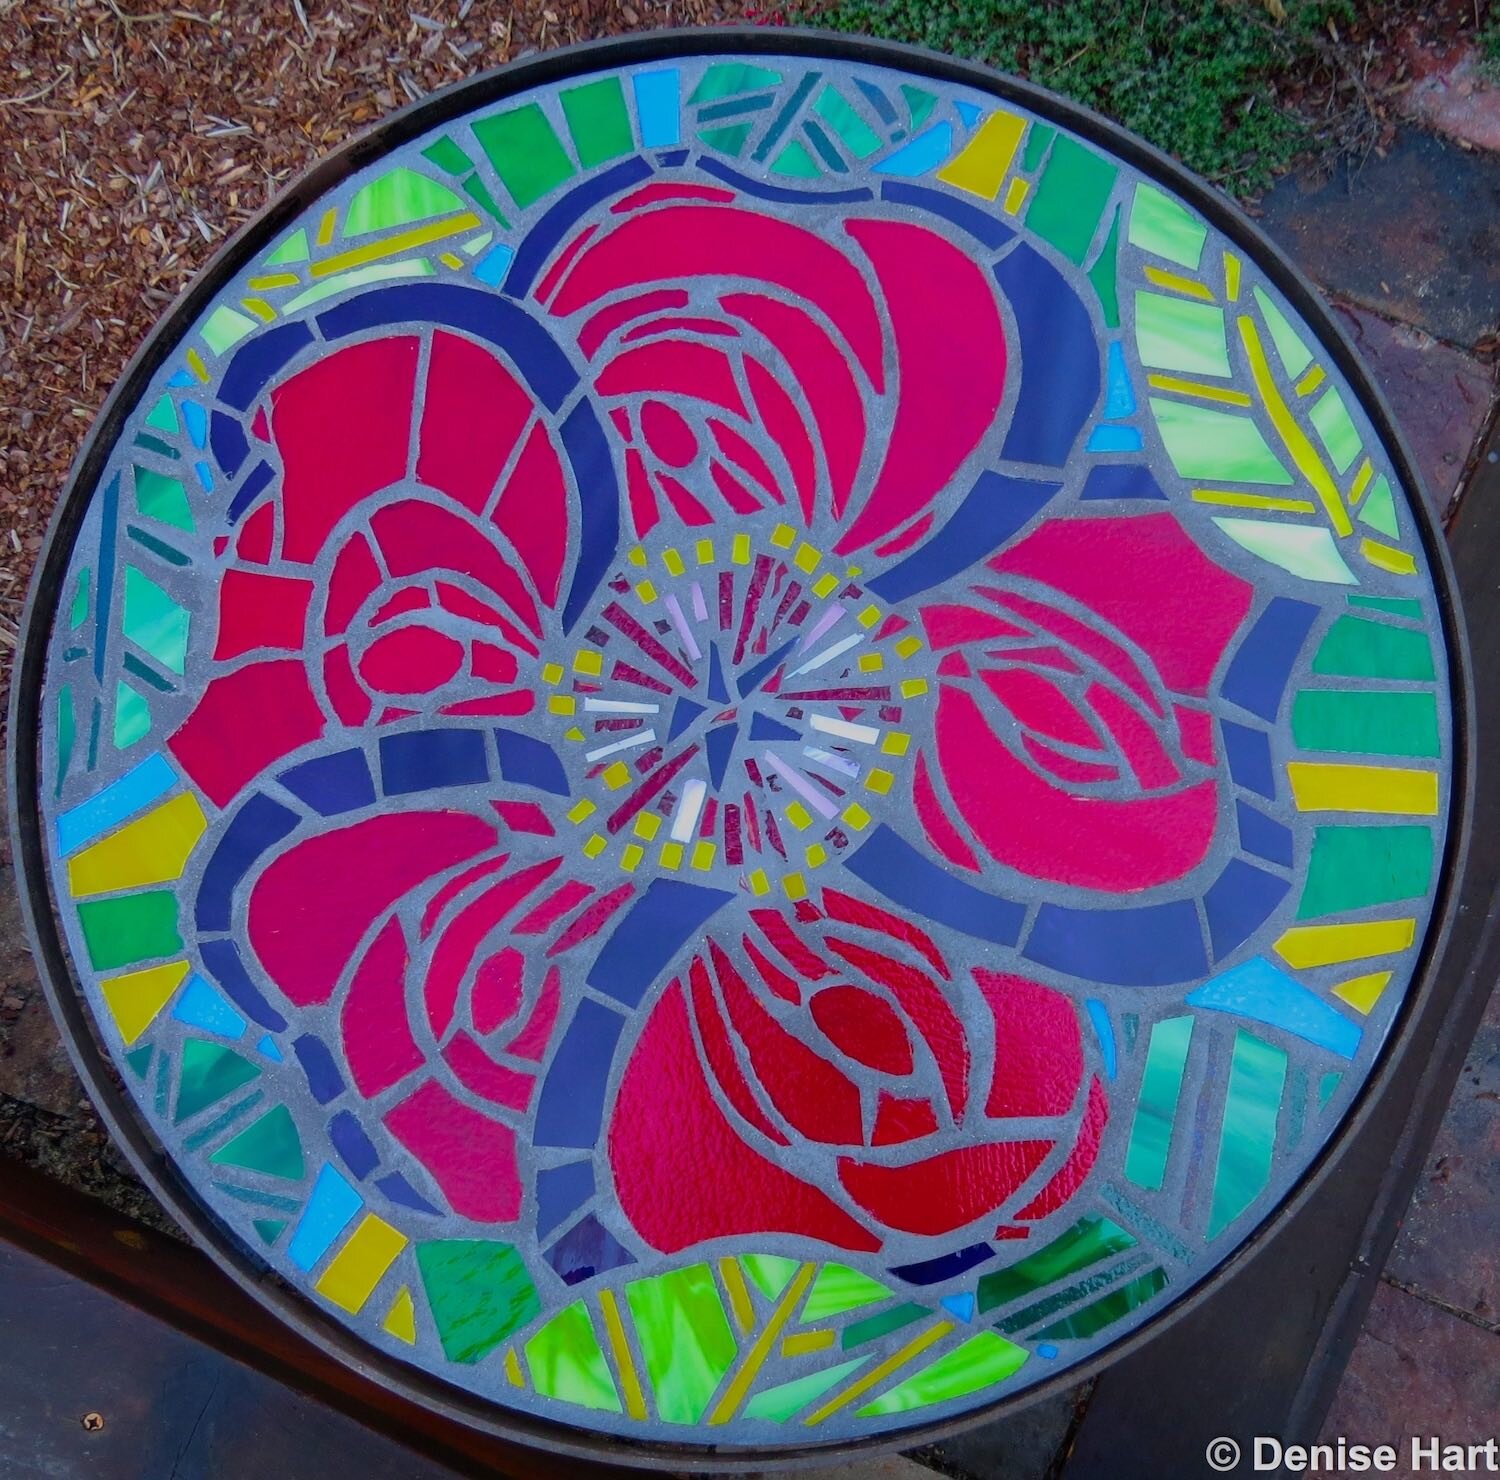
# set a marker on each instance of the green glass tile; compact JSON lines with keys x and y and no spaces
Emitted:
{"x":1156,"y":1110}
{"x":397,"y":198}
{"x":684,"y":1337}
{"x":163,"y":1085}
{"x":376,"y":272}
{"x":160,"y":548}
{"x":78,"y":610}
{"x":293,"y":249}
{"x":1379,"y":509}
{"x":1373,"y":721}
{"x":1295,"y":355}
{"x":780,"y":1403}
{"x":139,"y":1062}
{"x":1296,"y":1106}
{"x":256,"y":1197}
{"x":794,"y":160}
{"x":1160,"y":225}
{"x":1070,"y":198}
{"x":156,"y":445}
{"x":1247,"y":1142}
{"x":478,"y":1291}
{"x":1086,"y":1242}
{"x":1037,"y":143}
{"x":727,"y":78}
{"x":874,"y":1327}
{"x":163,"y":416}
{"x":1358,"y":648}
{"x":270,"y":1145}
{"x":269,"y":1229}
{"x":67,"y":733}
{"x":980,"y":1362}
{"x":1104,"y":274}
{"x":1397,"y":606}
{"x":785,"y":114}
{"x":771,"y":1272}
{"x":920,"y":102}
{"x":154,"y":621}
{"x":475,"y":245}
{"x":839,"y":1288}
{"x":159,"y":497}
{"x":127,"y":928}
{"x":224,"y":328}
{"x":1043,"y":1310}
{"x":1221,"y":446}
{"x":846,"y":121}
{"x":209,"y":1073}
{"x":598,"y":121}
{"x":727,"y":140}
{"x":1354,"y":867}
{"x":1327,"y":1087}
{"x":1336,"y":429}
{"x":525,"y":153}
{"x":1309,"y":551}
{"x":447,"y":155}
{"x":137,"y":669}
{"x":479,"y":192}
{"x":221,"y":1122}
{"x":1179,"y":334}
{"x":1113,"y":1307}
{"x":566,"y":1362}
{"x":736,"y":107}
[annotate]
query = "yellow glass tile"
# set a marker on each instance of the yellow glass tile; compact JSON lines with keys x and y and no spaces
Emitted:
{"x":1311,"y":381}
{"x":1270,"y":502}
{"x":799,"y":816}
{"x":1398,"y":562}
{"x":856,"y":817}
{"x":869,"y":616}
{"x":1306,"y":946}
{"x":196,"y":365}
{"x":872,"y":663}
{"x":1363,"y":992}
{"x":562,"y":704}
{"x":1189,"y":287}
{"x":911,"y":688}
{"x":581,"y":809}
{"x":647,"y":593}
{"x":704,"y":550}
{"x":854,"y":572}
{"x":631,"y":857}
{"x":795,"y":887}
{"x":703,"y":855}
{"x":637,"y":557}
{"x":595,"y":846}
{"x":807,"y":559}
{"x":759,"y":883}
{"x":135,"y":998}
{"x":513,"y":1368}
{"x":671,"y":855}
{"x":782,"y":536}
{"x":1231,"y":277}
{"x":739,"y":1293}
{"x":825,"y":585}
{"x":739,"y":551}
{"x":879,"y":781}
{"x":552,"y":673}
{"x":1323,"y":787}
{"x":151,"y":850}
{"x":630,"y":1381}
{"x":573,"y":734}
{"x":647,"y":825}
{"x":273,"y":280}
{"x":878,"y":1374}
{"x":588,"y":661}
{"x":896,"y":743}
{"x":801,"y":1342}
{"x":361,"y":1264}
{"x":673,"y":562}
{"x":450,"y":259}
{"x":325,"y":226}
{"x":816,"y":855}
{"x":1015,"y":195}
{"x":401,"y":1319}
{"x":1199,"y":390}
{"x":391,"y":246}
{"x":1362,"y":478}
{"x":615,"y":775}
{"x":263,"y":310}
{"x":981,"y":165}
{"x":908,"y":645}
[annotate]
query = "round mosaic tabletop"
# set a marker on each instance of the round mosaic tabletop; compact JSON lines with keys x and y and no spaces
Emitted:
{"x":737,"y":740}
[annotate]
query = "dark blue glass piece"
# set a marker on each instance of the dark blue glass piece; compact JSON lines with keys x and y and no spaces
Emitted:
{"x":719,"y":746}
{"x":1258,"y":674}
{"x":255,"y":827}
{"x":255,"y":362}
{"x":323,"y":1077}
{"x":891,"y":865}
{"x":352,"y":1144}
{"x":570,"y":1107}
{"x":104,"y":595}
{"x":399,"y":1190}
{"x":983,"y":225}
{"x":250,"y":489}
{"x":1121,"y":480}
{"x":752,"y":678}
{"x":599,"y":506}
{"x":560,"y":1192}
{"x":763,"y":727}
{"x":718,"y":691}
{"x":587,"y":1249}
{"x":221,"y":959}
{"x":944,"y":1266}
{"x":759,"y":188}
{"x":683,"y":715}
{"x":1249,"y":754}
{"x":421,"y":759}
{"x":1263,"y":836}
{"x":1239,"y":902}
{"x":331,"y":784}
{"x":230,"y":445}
{"x":1153,"y":945}
{"x":655,"y":927}
{"x":525,"y":761}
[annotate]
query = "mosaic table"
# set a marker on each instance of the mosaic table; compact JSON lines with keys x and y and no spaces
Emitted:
{"x":739,"y":741}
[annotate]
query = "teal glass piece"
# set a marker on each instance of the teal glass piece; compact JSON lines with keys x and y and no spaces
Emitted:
{"x":1216,"y":446}
{"x":161,"y":497}
{"x":154,"y":621}
{"x":163,"y":416}
{"x":848,"y":123}
{"x":566,"y":1361}
{"x":1164,"y":227}
{"x":1247,"y":1142}
{"x":78,"y":610}
{"x":1181,"y":335}
{"x":1353,"y":868}
{"x":1086,"y":1242}
{"x":1356,"y":647}
{"x":479,"y":1293}
{"x":270,"y":1145}
{"x":794,"y":160}
{"x":725,"y":79}
{"x":1306,"y":550}
{"x":1367,"y":721}
{"x":210,"y":1072}
{"x":1046,"y":1308}
{"x":684,"y":1337}
{"x":1108,"y":1309}
{"x":872,"y":1328}
{"x":1156,"y":1110}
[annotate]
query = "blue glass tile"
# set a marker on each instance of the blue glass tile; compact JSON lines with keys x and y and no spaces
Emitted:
{"x":230,"y":445}
{"x":141,"y":784}
{"x":1264,"y":993}
{"x":1249,"y":755}
{"x":323,"y":1077}
{"x":257,"y":826}
{"x":258,"y":359}
{"x":1121,"y":480}
{"x":599,"y":505}
{"x":585,"y":1250}
{"x":1239,"y":902}
{"x":331,"y":784}
{"x":922,"y":155}
{"x":654,"y":929}
{"x":984,"y":226}
{"x":525,"y":761}
{"x":657,"y":107}
{"x":944,"y":1266}
{"x":221,"y":959}
{"x":352,"y":1144}
{"x":1148,"y":946}
{"x":570,"y":1107}
{"x":329,"y":1211}
{"x":1104,"y":1031}
{"x":399,"y":1190}
{"x":201,"y":1007}
{"x":1258,"y":675}
{"x":419,"y":760}
{"x":560,"y":1192}
{"x":685,"y":711}
{"x":250,"y":489}
{"x":1263,"y":836}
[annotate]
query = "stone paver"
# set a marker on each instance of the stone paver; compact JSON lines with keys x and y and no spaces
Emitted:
{"x":1451,"y":94}
{"x":1440,"y":397}
{"x":1415,"y":236}
{"x":1417,"y":1370}
{"x":1023,"y":1447}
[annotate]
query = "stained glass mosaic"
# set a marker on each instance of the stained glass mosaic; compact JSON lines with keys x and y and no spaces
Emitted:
{"x":745,"y":749}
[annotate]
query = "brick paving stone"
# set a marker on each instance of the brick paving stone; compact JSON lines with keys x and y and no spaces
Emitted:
{"x":1415,"y":236}
{"x":1447,"y":1246}
{"x":1417,"y":1370}
{"x":1451,"y":95}
{"x":1440,"y":396}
